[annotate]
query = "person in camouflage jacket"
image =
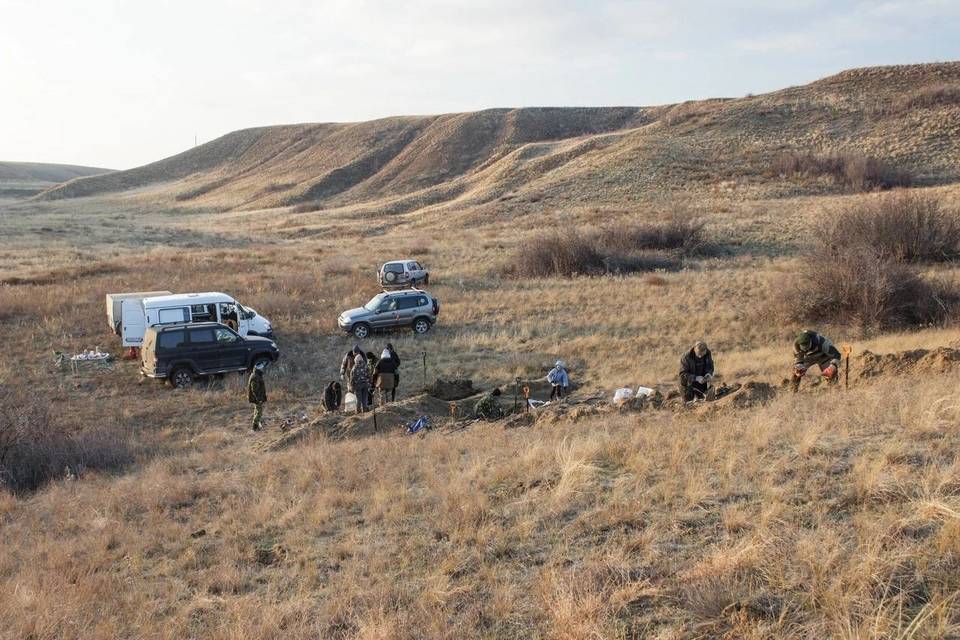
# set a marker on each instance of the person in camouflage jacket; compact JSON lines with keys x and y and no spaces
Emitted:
{"x":487,"y":407}
{"x":810,"y":348}
{"x":257,"y":394}
{"x":360,"y":377}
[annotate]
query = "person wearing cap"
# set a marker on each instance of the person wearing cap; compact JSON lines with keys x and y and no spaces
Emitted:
{"x":346,"y":366}
{"x":811,"y":348}
{"x":257,"y":394}
{"x":559,"y":381}
{"x":696,"y":370}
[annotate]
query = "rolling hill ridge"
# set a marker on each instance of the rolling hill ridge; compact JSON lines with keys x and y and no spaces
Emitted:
{"x":613,"y":155}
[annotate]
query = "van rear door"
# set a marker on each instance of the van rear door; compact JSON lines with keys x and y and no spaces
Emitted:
{"x":133,"y":321}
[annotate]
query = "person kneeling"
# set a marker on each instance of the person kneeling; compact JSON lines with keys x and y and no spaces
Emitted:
{"x":696,"y":370}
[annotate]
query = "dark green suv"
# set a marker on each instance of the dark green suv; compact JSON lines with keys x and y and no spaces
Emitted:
{"x":181,"y":352}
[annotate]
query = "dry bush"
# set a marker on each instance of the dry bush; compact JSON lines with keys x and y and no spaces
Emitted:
{"x":863,"y":287}
{"x":556,"y":253}
{"x":927,"y":97}
{"x":678,"y":232}
{"x":856,"y":172}
{"x":627,"y":249}
{"x":34,"y":449}
{"x":905,"y":226}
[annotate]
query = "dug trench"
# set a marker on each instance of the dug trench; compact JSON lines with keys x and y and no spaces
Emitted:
{"x":448,"y":404}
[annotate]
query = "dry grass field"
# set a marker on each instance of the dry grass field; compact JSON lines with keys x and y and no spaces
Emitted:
{"x":831,"y":513}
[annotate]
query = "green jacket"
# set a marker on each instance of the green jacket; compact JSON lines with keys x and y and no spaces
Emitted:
{"x":256,"y":389}
{"x":487,"y":408}
{"x":821,"y":352}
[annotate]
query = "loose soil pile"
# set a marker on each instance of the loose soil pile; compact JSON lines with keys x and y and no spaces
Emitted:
{"x":940,"y":360}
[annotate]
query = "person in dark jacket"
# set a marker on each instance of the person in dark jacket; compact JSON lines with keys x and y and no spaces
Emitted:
{"x":257,"y":394}
{"x":384,"y":377}
{"x":811,"y":348}
{"x":372,"y":368}
{"x":696,"y":370}
{"x":332,"y":396}
{"x":396,"y":373}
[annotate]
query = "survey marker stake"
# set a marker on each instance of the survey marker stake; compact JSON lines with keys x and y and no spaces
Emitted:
{"x":847,"y":350}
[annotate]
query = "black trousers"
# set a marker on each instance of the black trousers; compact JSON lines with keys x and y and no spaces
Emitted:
{"x":693,"y":391}
{"x":556,"y":393}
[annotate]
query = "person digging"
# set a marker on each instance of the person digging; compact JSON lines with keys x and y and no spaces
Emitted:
{"x":810,"y":348}
{"x":257,"y":394}
{"x":696,"y":371}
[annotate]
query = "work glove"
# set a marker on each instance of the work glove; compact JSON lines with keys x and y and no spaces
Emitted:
{"x":707,"y":377}
{"x":830,"y":372}
{"x":799,"y":370}
{"x":700,"y":379}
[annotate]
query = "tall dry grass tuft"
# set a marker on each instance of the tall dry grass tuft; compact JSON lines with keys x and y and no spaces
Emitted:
{"x":35,"y":449}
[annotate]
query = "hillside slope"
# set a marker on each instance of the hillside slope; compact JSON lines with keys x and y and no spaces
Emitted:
{"x":564,"y":155}
{"x":24,"y":179}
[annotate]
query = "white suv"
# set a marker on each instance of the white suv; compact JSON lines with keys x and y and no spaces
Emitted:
{"x":402,"y":273}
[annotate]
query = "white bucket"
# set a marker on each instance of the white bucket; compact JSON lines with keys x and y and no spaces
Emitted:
{"x":350,"y":402}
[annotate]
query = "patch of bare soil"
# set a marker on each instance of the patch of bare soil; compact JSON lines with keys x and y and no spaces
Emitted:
{"x":940,"y":360}
{"x":451,"y":390}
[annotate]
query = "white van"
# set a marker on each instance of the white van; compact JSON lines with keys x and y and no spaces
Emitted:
{"x":138,"y":314}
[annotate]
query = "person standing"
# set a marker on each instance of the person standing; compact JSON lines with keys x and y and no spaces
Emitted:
{"x":696,"y":370}
{"x":559,"y":381}
{"x":361,"y":382}
{"x":346,"y":367}
{"x":257,"y":394}
{"x":384,"y":376}
{"x":811,"y":348}
{"x":396,"y":372}
{"x":371,"y":368}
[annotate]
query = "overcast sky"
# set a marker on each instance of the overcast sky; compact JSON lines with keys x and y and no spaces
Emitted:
{"x":118,"y":84}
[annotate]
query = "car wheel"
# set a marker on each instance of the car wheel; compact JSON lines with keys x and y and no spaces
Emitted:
{"x":421,"y":325}
{"x":181,"y":378}
{"x":390,"y":276}
{"x":361,"y":330}
{"x":264,"y":359}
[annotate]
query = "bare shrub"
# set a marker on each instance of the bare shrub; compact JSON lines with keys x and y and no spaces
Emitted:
{"x":677,"y":233}
{"x":905,"y":226}
{"x":864,"y":287}
{"x":34,"y":449}
{"x":936,"y":95}
{"x":856,"y":172}
{"x":558,"y":254}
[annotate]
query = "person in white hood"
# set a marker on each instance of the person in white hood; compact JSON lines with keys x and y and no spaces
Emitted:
{"x":559,"y":381}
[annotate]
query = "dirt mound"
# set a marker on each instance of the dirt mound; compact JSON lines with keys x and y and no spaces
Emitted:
{"x":751,"y":394}
{"x":451,"y":390}
{"x":940,"y":360}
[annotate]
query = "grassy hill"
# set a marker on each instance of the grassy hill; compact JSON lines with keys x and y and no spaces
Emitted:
{"x":25,"y":179}
{"x":508,"y":157}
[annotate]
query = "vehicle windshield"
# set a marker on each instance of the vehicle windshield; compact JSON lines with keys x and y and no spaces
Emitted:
{"x":374,"y":303}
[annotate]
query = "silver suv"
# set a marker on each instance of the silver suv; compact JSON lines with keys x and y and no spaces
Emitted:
{"x":391,"y":309}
